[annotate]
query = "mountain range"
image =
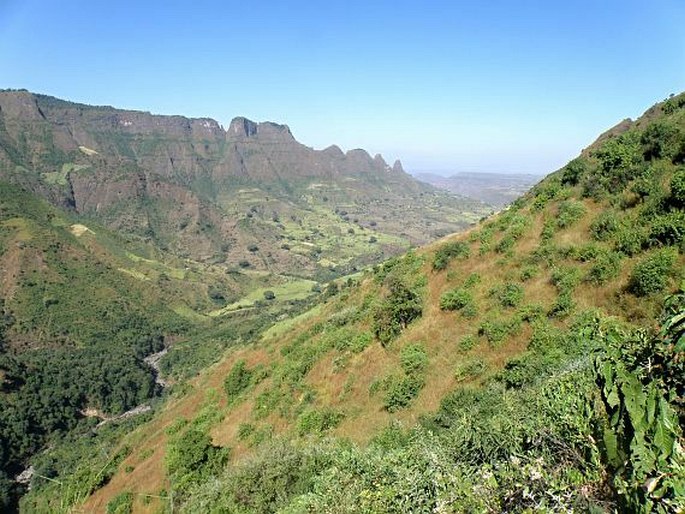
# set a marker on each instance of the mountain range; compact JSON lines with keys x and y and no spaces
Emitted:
{"x":214,"y":194}
{"x":533,"y":362}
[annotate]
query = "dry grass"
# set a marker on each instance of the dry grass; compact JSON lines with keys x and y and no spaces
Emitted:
{"x":343,"y":380}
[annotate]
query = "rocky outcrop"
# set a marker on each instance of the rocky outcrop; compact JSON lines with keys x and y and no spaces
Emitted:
{"x":182,"y":181}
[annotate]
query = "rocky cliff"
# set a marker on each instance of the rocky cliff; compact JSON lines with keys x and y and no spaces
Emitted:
{"x":208,"y":192}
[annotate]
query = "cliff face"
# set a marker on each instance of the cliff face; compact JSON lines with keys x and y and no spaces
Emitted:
{"x":189,"y":183}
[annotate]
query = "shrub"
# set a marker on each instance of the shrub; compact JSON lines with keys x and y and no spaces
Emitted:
{"x":544,"y":192}
{"x":563,"y":305}
{"x":496,"y":331}
{"x":318,"y":421}
{"x":531,"y":313}
{"x":237,"y":380}
{"x":470,"y":368}
{"x":449,"y":251}
{"x":414,"y":359}
{"x":360,"y":342}
{"x":604,"y":226}
{"x":467,"y":343}
{"x":668,"y":229}
{"x":586,"y":252}
{"x":606,"y":267}
{"x":548,"y":229}
{"x":573,"y":171}
{"x":191,"y":458}
{"x":630,"y":240}
{"x":245,"y":430}
{"x":472,"y":280}
{"x":122,"y":503}
{"x":401,"y":391}
{"x":508,"y":295}
{"x":529,"y":272}
{"x":527,"y":369}
{"x":661,"y":139}
{"x":399,"y":308}
{"x":619,"y":156}
{"x":570,"y":211}
{"x":565,"y":278}
{"x":651,"y":274}
{"x":470,"y":311}
{"x":269,"y":295}
{"x":455,"y":299}
{"x":678,"y":188}
{"x":505,"y":244}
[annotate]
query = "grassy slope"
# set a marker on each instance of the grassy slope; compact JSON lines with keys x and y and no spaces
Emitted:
{"x":80,"y":301}
{"x":546,"y":246}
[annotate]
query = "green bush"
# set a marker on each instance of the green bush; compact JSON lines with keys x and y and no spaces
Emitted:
{"x":472,"y":280}
{"x":630,"y":240}
{"x":318,"y":421}
{"x":400,"y":307}
{"x":573,"y":171}
{"x":401,"y":391}
{"x":470,"y":368}
{"x":508,"y":295}
{"x":360,"y":342}
{"x":604,"y":226}
{"x":570,"y":211}
{"x":661,"y":139}
{"x":467,"y":343}
{"x":565,"y":278}
{"x":668,"y":229}
{"x":237,"y":380}
{"x":620,"y":156}
{"x":505,"y":244}
{"x":530,"y":313}
{"x":652,"y":273}
{"x":545,"y":191}
{"x":191,"y":458}
{"x":678,"y":188}
{"x":449,"y":251}
{"x":455,"y":299}
{"x":549,"y":227}
{"x":496,"y":331}
{"x":122,"y":503}
{"x":529,"y":272}
{"x":605,"y":267}
{"x":563,"y":305}
{"x":414,"y":359}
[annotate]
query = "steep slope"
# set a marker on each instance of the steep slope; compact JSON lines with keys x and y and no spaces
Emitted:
{"x":517,"y":366}
{"x":250,"y":195}
{"x":81,"y":311}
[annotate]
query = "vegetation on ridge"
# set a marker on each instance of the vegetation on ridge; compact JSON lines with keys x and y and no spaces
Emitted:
{"x":533,"y":363}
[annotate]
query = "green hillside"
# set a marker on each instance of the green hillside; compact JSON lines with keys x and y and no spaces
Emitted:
{"x":82,"y":309}
{"x":534,"y":363}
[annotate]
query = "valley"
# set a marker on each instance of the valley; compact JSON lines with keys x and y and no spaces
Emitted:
{"x":315,"y":331}
{"x":496,"y":189}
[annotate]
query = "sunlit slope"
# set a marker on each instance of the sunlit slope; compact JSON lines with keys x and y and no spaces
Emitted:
{"x":501,"y":308}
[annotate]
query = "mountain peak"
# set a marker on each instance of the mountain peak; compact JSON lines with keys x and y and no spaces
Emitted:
{"x":242,"y":127}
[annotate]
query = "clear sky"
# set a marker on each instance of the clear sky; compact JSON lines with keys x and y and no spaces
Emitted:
{"x":513,"y":86}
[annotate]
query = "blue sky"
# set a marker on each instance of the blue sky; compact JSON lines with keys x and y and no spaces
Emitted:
{"x":501,"y":86}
